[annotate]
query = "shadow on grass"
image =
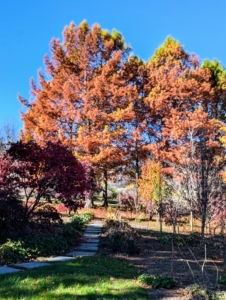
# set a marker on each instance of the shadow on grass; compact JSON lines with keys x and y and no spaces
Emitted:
{"x":84,"y":278}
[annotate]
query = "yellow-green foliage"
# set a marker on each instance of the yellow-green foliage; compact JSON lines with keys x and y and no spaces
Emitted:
{"x":151,"y":185}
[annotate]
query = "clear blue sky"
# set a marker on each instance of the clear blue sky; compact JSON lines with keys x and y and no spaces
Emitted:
{"x":27,"y":26}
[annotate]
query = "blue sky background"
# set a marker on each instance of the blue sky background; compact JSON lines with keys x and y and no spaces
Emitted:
{"x":27,"y":26}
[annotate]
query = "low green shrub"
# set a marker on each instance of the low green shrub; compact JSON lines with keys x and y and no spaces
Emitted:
{"x":222,"y":279}
{"x":157,"y":281}
{"x":192,"y":240}
{"x":80,"y":220}
{"x":12,"y":252}
{"x":70,"y":232}
{"x":32,"y":247}
{"x":45,"y":245}
{"x":114,"y":190}
{"x":198,"y":292}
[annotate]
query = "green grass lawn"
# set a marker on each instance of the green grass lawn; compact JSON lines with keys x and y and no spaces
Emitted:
{"x":84,"y":278}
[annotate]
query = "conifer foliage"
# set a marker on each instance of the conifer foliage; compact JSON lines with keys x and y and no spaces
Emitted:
{"x":115,"y":111}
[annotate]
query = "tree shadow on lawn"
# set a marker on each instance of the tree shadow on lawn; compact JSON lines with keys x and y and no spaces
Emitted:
{"x":84,"y":278}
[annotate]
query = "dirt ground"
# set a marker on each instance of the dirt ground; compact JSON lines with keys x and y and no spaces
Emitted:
{"x":188,"y":266}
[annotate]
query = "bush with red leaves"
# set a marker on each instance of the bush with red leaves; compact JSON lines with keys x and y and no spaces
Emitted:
{"x":34,"y":175}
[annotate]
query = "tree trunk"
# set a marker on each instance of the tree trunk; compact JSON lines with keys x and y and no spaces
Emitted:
{"x":105,"y":194}
{"x":137,"y":177}
{"x":191,"y":221}
{"x":89,"y":203}
{"x":203,"y":220}
{"x":160,"y":223}
{"x":172,"y":256}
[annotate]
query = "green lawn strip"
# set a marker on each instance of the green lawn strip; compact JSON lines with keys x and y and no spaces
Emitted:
{"x":84,"y":278}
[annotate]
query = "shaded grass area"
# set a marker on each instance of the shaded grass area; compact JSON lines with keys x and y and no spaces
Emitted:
{"x":84,"y":278}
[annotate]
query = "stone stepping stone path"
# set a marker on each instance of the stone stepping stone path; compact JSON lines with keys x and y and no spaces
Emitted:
{"x":31,"y":265}
{"x":91,"y":235}
{"x":5,"y":270}
{"x":81,"y":253}
{"x":88,"y":247}
{"x":95,"y":241}
{"x":59,"y":259}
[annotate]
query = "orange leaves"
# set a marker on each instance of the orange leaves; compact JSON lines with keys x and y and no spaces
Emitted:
{"x":115,"y":110}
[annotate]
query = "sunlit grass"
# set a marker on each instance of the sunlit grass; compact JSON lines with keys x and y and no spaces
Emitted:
{"x":84,"y":278}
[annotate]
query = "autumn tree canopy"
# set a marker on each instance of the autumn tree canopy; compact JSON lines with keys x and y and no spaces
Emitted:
{"x":115,"y":110}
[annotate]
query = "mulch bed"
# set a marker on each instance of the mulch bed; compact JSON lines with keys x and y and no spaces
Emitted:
{"x":186,"y":267}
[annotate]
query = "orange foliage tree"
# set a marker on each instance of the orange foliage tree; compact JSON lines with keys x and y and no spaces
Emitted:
{"x":77,"y":104}
{"x":182,"y":98}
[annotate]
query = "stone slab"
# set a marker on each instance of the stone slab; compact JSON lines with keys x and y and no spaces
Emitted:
{"x":93,"y":229}
{"x":31,"y":265}
{"x":5,"y":270}
{"x":90,"y":236}
{"x":92,"y":232}
{"x":99,"y":225}
{"x":81,"y":253}
{"x":59,"y":259}
{"x":94,"y":241}
{"x":87,"y":247}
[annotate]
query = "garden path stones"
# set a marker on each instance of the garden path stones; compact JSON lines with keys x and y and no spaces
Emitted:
{"x":92,"y":231}
{"x":5,"y":270}
{"x":95,"y":241}
{"x":87,"y":247}
{"x":91,"y":235}
{"x":31,"y":265}
{"x":81,"y":253}
{"x":59,"y":259}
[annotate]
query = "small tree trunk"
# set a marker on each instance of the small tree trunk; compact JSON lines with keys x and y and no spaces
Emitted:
{"x":203,"y":221}
{"x":172,"y":256}
{"x":89,"y":203}
{"x":157,"y":217}
{"x":105,"y":194}
{"x":137,"y":196}
{"x":160,"y":224}
{"x":191,"y":221}
{"x":136,"y":184}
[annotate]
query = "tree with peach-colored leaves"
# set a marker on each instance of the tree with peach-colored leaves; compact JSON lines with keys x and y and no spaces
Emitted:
{"x":187,"y":131}
{"x":196,"y":155}
{"x":75,"y":106}
{"x":60,"y":105}
{"x":176,"y":81}
{"x":135,"y":117}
